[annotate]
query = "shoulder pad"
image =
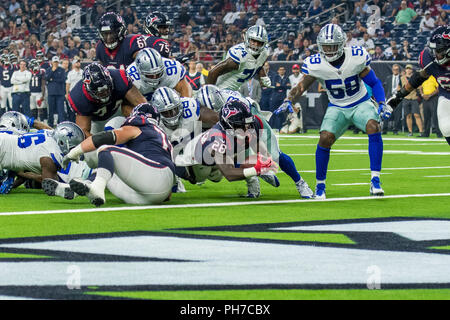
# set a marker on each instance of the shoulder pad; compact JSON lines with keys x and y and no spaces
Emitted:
{"x":425,"y":58}
{"x":237,"y":53}
{"x":136,"y":121}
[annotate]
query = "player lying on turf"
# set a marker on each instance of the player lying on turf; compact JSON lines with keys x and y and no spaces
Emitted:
{"x":343,"y":72}
{"x":140,"y":172}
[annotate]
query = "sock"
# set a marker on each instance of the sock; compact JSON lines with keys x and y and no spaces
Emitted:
{"x":448,"y":140}
{"x":59,"y":191}
{"x":322,"y":158}
{"x":375,"y":151}
{"x":288,"y":166}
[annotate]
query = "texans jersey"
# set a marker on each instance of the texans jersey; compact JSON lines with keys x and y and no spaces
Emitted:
{"x":344,"y":86}
{"x":83,"y":103}
{"x":6,"y":74}
{"x":152,"y":143}
{"x":23,"y":152}
{"x":174,"y":72}
{"x":36,"y":81}
{"x":441,"y":73}
{"x":187,"y":126}
{"x":249,"y":66}
{"x":159,"y":44}
{"x":122,"y":55}
{"x":45,"y":65}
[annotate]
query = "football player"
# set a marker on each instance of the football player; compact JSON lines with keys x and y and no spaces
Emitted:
{"x":157,"y":26}
{"x":37,"y":89}
{"x":344,"y":71}
{"x":116,"y":49}
{"x":214,"y":98}
{"x":6,"y":70}
{"x":140,"y":172}
{"x":39,"y":155}
{"x":243,"y":61}
{"x":434,"y":60}
{"x":150,"y":71}
{"x":98,"y":96}
{"x":223,"y":145}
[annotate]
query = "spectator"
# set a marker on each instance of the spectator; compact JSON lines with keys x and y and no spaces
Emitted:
{"x":21,"y":89}
{"x":315,"y":9}
{"x":242,"y":21}
{"x":73,"y":76}
{"x":231,"y":16}
{"x":281,"y":84}
{"x":266,"y":92}
{"x":391,"y":85}
{"x":86,"y":48}
{"x":128,"y":16}
{"x":367,"y":43}
{"x":429,"y":91}
{"x":64,"y":30}
{"x":251,"y":89}
{"x":358,"y":30}
{"x":201,"y":18}
{"x":406,"y":50}
{"x":184,"y":18}
{"x":71,"y":51}
{"x":388,"y":51}
{"x":427,"y":23}
{"x":350,"y":40}
{"x":56,"y":78}
{"x":396,"y":55}
{"x":286,"y":54}
{"x":410,"y":105}
{"x":278,"y":50}
{"x":378,"y":54}
{"x":13,"y":6}
{"x":442,"y":19}
{"x":361,"y":10}
{"x":405,"y":14}
{"x":445,"y":7}
{"x":297,"y":51}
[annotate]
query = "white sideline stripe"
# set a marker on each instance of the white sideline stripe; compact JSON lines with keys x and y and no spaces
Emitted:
{"x":383,"y":169}
{"x":443,"y":176}
{"x":361,"y":138}
{"x":222,"y":204}
{"x":360,"y":151}
{"x":351,"y":184}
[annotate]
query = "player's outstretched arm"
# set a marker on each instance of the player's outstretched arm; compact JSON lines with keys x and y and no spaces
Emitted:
{"x":231,"y":173}
{"x":48,"y":169}
{"x":221,"y":68}
{"x":184,"y":88}
{"x":301,"y":87}
{"x":208,"y":116}
{"x":84,"y":122}
{"x":414,"y":82}
{"x":135,"y":97}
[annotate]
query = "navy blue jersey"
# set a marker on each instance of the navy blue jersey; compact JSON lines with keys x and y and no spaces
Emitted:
{"x":45,"y":65}
{"x":159,"y":44}
{"x":216,"y":141}
{"x":122,"y":55}
{"x":152,"y":143}
{"x":83,"y":103}
{"x":36,"y":81}
{"x":441,"y":73}
{"x":6,"y":74}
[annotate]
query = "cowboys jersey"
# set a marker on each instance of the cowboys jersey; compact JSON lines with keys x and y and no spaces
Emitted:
{"x":23,"y":153}
{"x":345,"y":88}
{"x":441,"y":73}
{"x":122,"y":55}
{"x":173,"y":73}
{"x":74,"y":170}
{"x":249,"y":66}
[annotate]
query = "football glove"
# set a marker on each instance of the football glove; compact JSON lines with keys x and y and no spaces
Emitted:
{"x":265,"y":165}
{"x":285,"y":106}
{"x":73,"y":155}
{"x":265,"y":81}
{"x":385,"y":111}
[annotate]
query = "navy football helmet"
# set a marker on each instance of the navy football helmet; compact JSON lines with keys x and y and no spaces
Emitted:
{"x":158,"y":24}
{"x":148,"y":110}
{"x":98,"y":82}
{"x":111,"y":29}
{"x":236,"y":115}
{"x":34,"y":65}
{"x":440,"y":44}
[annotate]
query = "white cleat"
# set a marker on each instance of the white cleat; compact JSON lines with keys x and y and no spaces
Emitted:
{"x":253,"y":187}
{"x":50,"y":186}
{"x":375,"y":187}
{"x":320,"y":191}
{"x":304,"y":190}
{"x":84,"y":188}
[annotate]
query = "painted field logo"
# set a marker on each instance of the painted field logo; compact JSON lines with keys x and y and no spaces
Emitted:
{"x":380,"y":253}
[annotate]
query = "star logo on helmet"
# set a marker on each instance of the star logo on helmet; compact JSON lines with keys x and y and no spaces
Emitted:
{"x":70,"y":134}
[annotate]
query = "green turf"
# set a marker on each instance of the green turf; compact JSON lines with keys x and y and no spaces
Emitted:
{"x":9,"y":255}
{"x":395,"y":182}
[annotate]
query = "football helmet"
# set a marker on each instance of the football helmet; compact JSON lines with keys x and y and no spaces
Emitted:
{"x":209,"y":96}
{"x":150,"y":66}
{"x":12,"y":58}
{"x":168,"y":103}
{"x":236,"y":115}
{"x":111,"y":29}
{"x":147,"y":110}
{"x":256,"y":33}
{"x":34,"y":65}
{"x":4,"y":59}
{"x":98,"y":82}
{"x":331,"y":42}
{"x":440,"y":44}
{"x":68,"y":135}
{"x":39,"y":56}
{"x":14,"y":121}
{"x":158,"y":24}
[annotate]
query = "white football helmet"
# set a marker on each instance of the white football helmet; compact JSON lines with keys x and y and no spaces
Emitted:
{"x":331,"y":42}
{"x":257,"y":33}
{"x":68,"y":135}
{"x":150,"y":65}
{"x":209,"y":96}
{"x":14,"y":121}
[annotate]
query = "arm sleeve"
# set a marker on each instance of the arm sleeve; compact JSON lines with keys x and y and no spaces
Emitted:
{"x":377,"y":87}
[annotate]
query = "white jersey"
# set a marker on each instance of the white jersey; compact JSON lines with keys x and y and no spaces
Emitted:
{"x":188,"y":121}
{"x":20,"y":153}
{"x":345,"y":88}
{"x":248,"y":67}
{"x":74,"y":170}
{"x":174,"y":72}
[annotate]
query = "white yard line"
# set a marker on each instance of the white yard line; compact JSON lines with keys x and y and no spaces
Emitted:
{"x":384,"y":169}
{"x":223,"y":204}
{"x":362,"y":138}
{"x":340,"y":152}
{"x":443,"y":176}
{"x":351,"y":184}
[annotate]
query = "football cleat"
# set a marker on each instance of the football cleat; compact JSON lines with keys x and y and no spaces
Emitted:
{"x":253,"y":187}
{"x":375,"y":187}
{"x":271,"y":179}
{"x":179,"y":186}
{"x":320,"y":191}
{"x":304,"y":190}
{"x":84,"y":188}
{"x":50,"y":186}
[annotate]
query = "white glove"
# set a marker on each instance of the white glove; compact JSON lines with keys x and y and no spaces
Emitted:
{"x":265,"y":81}
{"x":73,"y":155}
{"x":385,"y":111}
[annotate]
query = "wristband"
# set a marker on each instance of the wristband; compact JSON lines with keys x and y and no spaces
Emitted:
{"x":249,"y":172}
{"x":75,"y":152}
